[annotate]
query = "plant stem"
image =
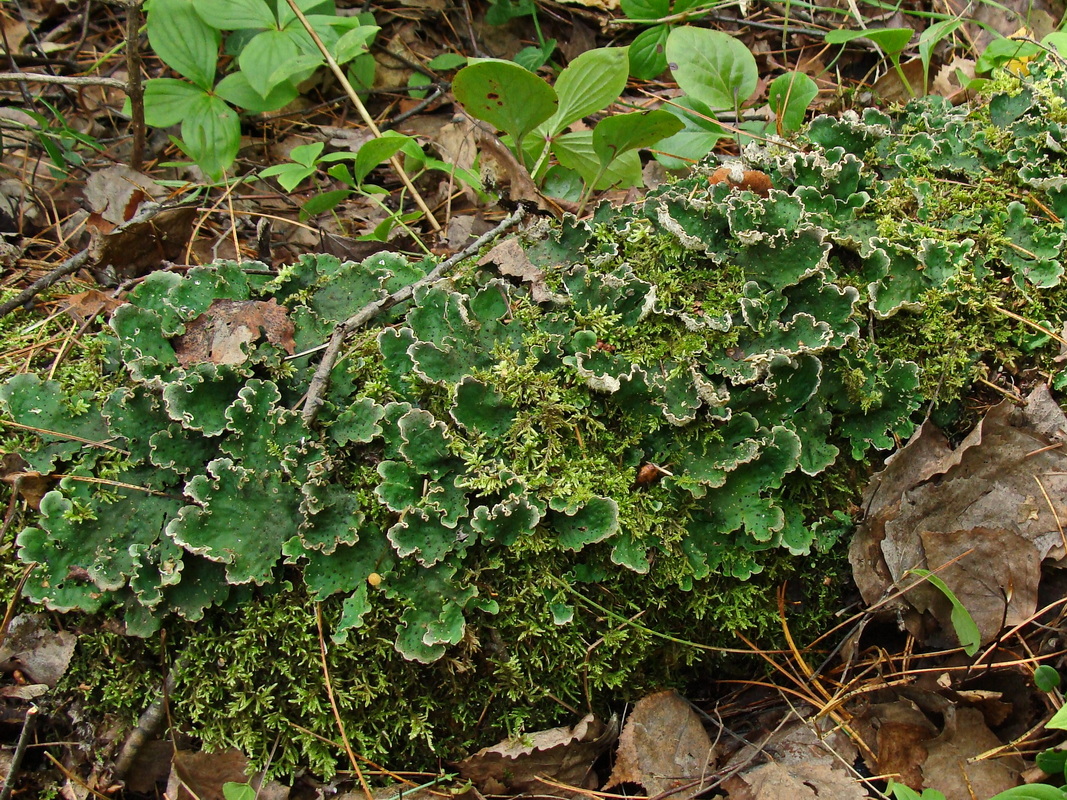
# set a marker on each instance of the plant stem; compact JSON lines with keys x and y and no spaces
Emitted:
{"x":134,"y":86}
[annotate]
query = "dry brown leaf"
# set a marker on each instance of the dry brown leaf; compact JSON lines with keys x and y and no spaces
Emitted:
{"x":39,"y":653}
{"x":807,"y":761}
{"x":896,"y":732}
{"x":222,"y":333}
{"x":510,"y":259}
{"x":891,"y":88}
{"x":949,"y":767}
{"x":31,"y":486}
{"x":663,"y":748}
{"x":89,"y":304}
{"x":114,"y":195}
{"x":563,"y":755}
{"x":985,"y":499}
{"x":131,"y":251}
{"x":200,"y":776}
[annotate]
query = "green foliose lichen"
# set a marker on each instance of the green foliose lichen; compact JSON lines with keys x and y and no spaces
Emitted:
{"x":691,"y":402}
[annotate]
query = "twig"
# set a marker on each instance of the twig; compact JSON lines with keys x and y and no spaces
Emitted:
{"x":333,"y":704}
{"x":64,"y":80}
{"x":333,"y":348}
{"x":134,"y":86}
{"x":75,"y":262}
{"x":20,"y":750}
{"x":149,"y":724}
{"x":394,"y":161}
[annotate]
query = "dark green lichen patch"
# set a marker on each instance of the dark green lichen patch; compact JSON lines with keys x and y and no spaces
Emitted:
{"x":695,"y":406}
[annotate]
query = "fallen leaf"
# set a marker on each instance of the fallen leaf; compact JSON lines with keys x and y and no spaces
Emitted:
{"x":978,"y":514}
{"x":89,"y":304}
{"x":663,"y":748}
{"x":31,"y":486}
{"x":510,"y":259}
{"x":200,"y":776}
{"x":222,"y":333}
{"x":135,"y":249}
{"x":32,"y":648}
{"x":950,"y":767}
{"x":896,"y":733}
{"x":563,"y":755}
{"x":806,"y":761}
{"x":114,"y":195}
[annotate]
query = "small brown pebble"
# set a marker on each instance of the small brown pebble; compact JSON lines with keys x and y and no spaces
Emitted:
{"x":751,"y":179}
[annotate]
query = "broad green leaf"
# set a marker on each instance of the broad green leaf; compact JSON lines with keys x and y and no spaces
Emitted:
{"x":502,"y":12}
{"x":563,"y":183}
{"x":712,"y":67}
{"x":184,"y":41}
{"x":295,"y":70}
{"x":962,"y":621}
{"x":166,"y":101}
{"x":1034,"y":791}
{"x":361,"y":71}
{"x":417,"y":83}
{"x":1057,"y":40}
{"x":646,"y":9}
{"x":534,"y":57}
{"x":354,"y":43}
{"x":505,"y":95}
{"x":263,"y":55}
{"x":695,"y":140}
{"x":892,"y":40}
{"x":212,"y":134}
{"x":236,"y":89}
{"x":648,"y":53}
{"x":591,"y":82}
{"x":237,"y":791}
{"x":289,"y":175}
{"x":1059,"y":720}
{"x":575,"y":151}
{"x":1046,"y":678}
{"x":326,"y":201}
{"x":790,"y":95}
{"x":307,"y":154}
{"x":233,"y":15}
{"x":929,"y":39}
{"x":374,"y":152}
{"x":616,"y":135}
{"x":1003,"y":51}
{"x":309,"y":7}
{"x":447,"y":61}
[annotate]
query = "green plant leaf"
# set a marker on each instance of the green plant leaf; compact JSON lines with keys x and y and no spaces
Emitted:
{"x":1051,"y":761}
{"x":1046,"y":678}
{"x":447,"y":61}
{"x":1002,"y":51}
{"x":354,"y":43}
{"x":618,"y":134}
{"x":505,"y":95}
{"x":1059,"y":720}
{"x":698,"y":136}
{"x":712,"y":67}
{"x":892,"y":40}
{"x":236,"y":89}
{"x":962,"y":621}
{"x":311,"y":8}
{"x":790,"y":95}
{"x":167,"y":100}
{"x":591,"y":82}
{"x":648,"y":53}
{"x":1056,"y":40}
{"x":646,"y":9}
{"x":930,"y":38}
{"x":1035,"y":791}
{"x":237,"y":791}
{"x":534,"y":57}
{"x":372,"y":153}
{"x":575,"y":151}
{"x":211,"y":133}
{"x":234,"y":15}
{"x":186,"y":43}
{"x":289,"y":175}
{"x":263,"y":55}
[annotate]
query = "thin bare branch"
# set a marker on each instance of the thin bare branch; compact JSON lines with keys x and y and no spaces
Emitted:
{"x":64,"y":80}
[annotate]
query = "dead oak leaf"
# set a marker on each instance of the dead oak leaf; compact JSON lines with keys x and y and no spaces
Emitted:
{"x":221,"y":334}
{"x":562,"y":755}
